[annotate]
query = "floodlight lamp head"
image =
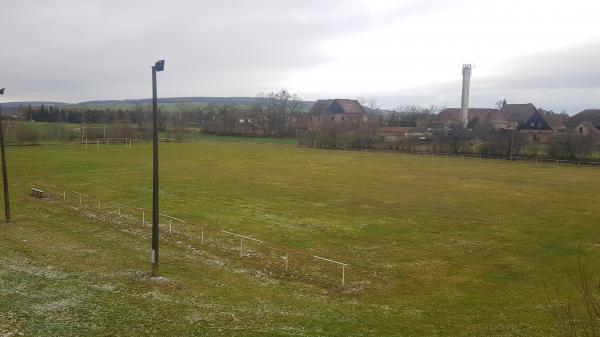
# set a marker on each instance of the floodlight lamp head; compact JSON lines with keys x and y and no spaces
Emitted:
{"x":159,"y":65}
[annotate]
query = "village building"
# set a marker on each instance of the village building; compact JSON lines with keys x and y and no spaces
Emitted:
{"x":451,"y":116}
{"x":590,"y":116}
{"x":585,"y":129}
{"x":348,"y":113}
{"x":533,"y":123}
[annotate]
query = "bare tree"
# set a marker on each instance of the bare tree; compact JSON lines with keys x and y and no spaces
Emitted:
{"x":455,"y":138}
{"x":502,"y":143}
{"x":369,"y":103}
{"x":279,"y":108}
{"x":580,"y":315}
{"x":500,"y":104}
{"x":138,"y":115}
{"x":573,"y":146}
{"x":330,"y":134}
{"x":178,"y":121}
{"x":412,"y":115}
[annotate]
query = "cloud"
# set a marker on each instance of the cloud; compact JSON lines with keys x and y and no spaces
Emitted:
{"x":566,"y":79}
{"x":78,"y":49}
{"x":404,"y":51}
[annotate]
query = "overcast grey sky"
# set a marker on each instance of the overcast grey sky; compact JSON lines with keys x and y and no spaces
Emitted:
{"x":401,"y":51}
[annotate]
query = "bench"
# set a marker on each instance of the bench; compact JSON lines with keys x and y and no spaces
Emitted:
{"x":37,"y":193}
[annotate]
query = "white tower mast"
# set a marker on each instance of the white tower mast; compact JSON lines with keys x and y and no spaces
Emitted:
{"x":466,"y":72}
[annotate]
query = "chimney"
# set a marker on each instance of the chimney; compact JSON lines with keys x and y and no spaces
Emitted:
{"x":466,"y":72}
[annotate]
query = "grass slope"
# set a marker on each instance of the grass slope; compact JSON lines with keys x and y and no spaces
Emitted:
{"x":436,"y":246}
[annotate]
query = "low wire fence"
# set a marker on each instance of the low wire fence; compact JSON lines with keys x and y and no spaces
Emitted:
{"x":534,"y":160}
{"x":274,"y":259}
{"x":537,"y":161}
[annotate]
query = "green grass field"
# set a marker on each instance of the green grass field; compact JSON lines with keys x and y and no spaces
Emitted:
{"x":436,"y":246}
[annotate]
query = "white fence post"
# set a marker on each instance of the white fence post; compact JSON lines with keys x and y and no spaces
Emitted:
{"x":143,"y":218}
{"x":202,"y":235}
{"x":241,"y":246}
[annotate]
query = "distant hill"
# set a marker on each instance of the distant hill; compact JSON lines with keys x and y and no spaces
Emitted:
{"x":126,"y":102}
{"x":13,"y":105}
{"x":179,"y":100}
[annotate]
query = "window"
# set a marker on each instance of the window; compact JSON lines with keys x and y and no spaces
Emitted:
{"x":539,"y":124}
{"x":342,"y":117}
{"x":532,"y":124}
{"x":581,"y":129}
{"x":332,"y":118}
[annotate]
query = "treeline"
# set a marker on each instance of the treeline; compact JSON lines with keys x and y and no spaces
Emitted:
{"x":276,"y":114}
{"x":74,"y":114}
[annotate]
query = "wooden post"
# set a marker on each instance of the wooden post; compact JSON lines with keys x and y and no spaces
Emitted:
{"x":241,"y":246}
{"x":343,"y":276}
{"x":202,"y":235}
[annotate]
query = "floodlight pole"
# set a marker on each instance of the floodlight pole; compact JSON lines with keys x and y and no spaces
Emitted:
{"x":158,"y":66}
{"x":4,"y":175}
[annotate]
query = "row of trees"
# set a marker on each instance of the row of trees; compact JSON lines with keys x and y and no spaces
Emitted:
{"x":275,"y":114}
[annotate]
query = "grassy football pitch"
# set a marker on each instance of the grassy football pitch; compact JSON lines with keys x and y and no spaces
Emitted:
{"x":435,"y":246}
